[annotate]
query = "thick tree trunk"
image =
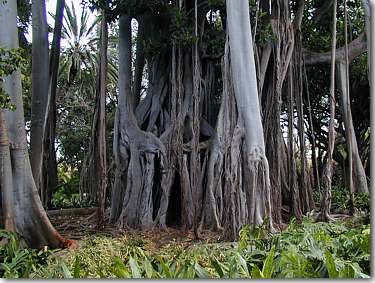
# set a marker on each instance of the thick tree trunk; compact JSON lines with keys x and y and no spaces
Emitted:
{"x":30,"y":219}
{"x":246,"y":94}
{"x":135,"y":150}
{"x":40,"y":85}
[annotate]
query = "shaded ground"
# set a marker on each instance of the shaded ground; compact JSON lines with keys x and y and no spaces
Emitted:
{"x":77,"y":224}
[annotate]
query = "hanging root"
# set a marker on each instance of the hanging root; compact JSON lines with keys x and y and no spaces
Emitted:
{"x":259,"y":189}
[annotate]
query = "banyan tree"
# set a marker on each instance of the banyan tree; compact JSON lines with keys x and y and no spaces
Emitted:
{"x":202,"y":145}
{"x":214,"y":127}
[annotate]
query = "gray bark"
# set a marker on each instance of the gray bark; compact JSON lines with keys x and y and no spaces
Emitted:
{"x":246,"y":94}
{"x":359,"y":175}
{"x":134,"y":148}
{"x":40,"y":86}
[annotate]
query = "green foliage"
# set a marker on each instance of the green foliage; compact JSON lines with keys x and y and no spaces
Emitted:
{"x":67,"y":194}
{"x":309,"y":250}
{"x":10,"y":60}
{"x":340,"y":200}
{"x":16,"y":261}
{"x":180,"y":28}
{"x":362,"y":202}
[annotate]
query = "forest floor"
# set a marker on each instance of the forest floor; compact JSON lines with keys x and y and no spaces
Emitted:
{"x":78,"y":227}
{"x":338,"y":249}
{"x":310,"y":249}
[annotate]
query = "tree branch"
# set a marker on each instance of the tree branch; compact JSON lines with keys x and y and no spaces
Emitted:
{"x":356,"y":48}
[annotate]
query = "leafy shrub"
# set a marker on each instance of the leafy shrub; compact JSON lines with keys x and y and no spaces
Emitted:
{"x":362,"y":202}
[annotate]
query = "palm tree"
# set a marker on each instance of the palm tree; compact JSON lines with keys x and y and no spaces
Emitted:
{"x":81,"y":45}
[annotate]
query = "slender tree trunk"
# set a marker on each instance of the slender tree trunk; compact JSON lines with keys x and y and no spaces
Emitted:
{"x":102,"y":149}
{"x":295,"y":201}
{"x":313,"y":141}
{"x":195,"y":158}
{"x":49,"y":155}
{"x":359,"y":175}
{"x":30,"y":219}
{"x":325,"y":206}
{"x":366,"y":4}
{"x":40,"y":85}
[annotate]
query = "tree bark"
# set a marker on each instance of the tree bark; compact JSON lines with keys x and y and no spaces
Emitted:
{"x":6,"y":184}
{"x":356,"y":48}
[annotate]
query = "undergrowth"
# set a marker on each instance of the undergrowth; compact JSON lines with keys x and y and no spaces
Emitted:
{"x":308,"y":250}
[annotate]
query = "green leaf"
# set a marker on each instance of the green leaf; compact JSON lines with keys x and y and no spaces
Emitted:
{"x":243,"y":264}
{"x":66,"y":271}
{"x":331,"y":266}
{"x":200,"y":271}
{"x":218,"y":267}
{"x":268,"y":267}
{"x":150,"y":272}
{"x":119,"y":268}
{"x":256,"y":273}
{"x":165,"y":268}
{"x":77,"y":268}
{"x":134,"y":268}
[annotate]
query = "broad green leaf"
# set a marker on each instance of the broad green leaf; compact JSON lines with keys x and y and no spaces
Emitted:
{"x":243,"y":264}
{"x":150,"y":272}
